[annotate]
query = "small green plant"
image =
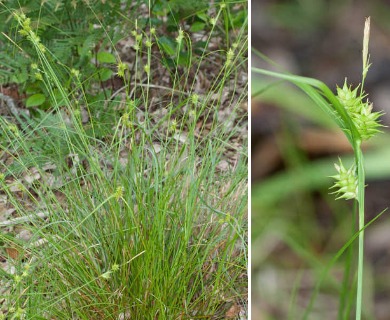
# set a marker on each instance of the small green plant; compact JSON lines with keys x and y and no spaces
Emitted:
{"x":354,"y":115}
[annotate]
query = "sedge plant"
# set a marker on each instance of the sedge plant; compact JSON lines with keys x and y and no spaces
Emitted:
{"x":143,"y":217}
{"x":354,"y":115}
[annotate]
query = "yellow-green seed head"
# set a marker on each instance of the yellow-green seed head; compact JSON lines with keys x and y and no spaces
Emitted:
{"x":346,"y":182}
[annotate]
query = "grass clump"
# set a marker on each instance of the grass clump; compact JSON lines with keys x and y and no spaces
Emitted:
{"x":130,"y":203}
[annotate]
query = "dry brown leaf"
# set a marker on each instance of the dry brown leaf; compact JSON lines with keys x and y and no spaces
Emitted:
{"x":13,"y":252}
{"x":223,"y":166}
{"x":32,"y":176}
{"x":233,"y":312}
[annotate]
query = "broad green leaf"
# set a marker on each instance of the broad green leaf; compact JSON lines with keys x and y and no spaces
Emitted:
{"x":105,"y":74}
{"x":197,"y":26}
{"x":106,"y":57}
{"x":203,"y":16}
{"x":35,"y":100}
{"x":19,"y":77}
{"x":184,"y":58}
{"x":239,"y":18}
{"x":168,"y":45}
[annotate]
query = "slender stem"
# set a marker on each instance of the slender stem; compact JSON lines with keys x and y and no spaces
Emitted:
{"x":354,"y":138}
{"x":345,"y":295}
{"x":361,"y":185}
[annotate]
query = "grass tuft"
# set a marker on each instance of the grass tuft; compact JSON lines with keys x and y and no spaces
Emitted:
{"x":134,"y":202}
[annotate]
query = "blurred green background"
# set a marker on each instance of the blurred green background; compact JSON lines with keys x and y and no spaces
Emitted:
{"x":297,"y":225}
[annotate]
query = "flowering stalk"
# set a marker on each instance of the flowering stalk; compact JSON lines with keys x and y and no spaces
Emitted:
{"x":350,"y":183}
